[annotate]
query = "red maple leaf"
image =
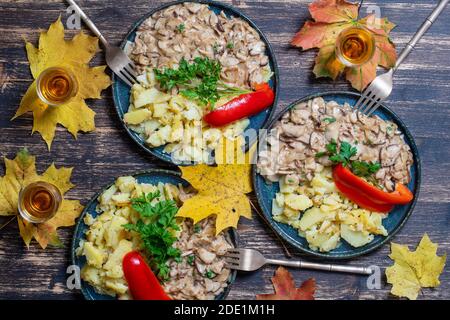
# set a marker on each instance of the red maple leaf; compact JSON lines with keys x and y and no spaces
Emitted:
{"x":285,"y":289}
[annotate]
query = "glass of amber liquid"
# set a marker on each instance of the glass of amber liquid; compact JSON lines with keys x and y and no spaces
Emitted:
{"x":56,"y":86}
{"x":355,"y":46}
{"x":39,"y":202}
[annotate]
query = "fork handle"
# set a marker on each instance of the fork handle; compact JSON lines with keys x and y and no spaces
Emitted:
{"x":419,"y":34}
{"x":88,"y":22}
{"x":320,"y":266}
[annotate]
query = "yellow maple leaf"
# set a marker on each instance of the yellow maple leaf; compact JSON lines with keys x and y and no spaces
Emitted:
{"x":413,"y":270}
{"x":221,"y":189}
{"x":75,"y":54}
{"x":19,"y":173}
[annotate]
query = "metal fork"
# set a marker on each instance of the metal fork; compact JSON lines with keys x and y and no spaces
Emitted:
{"x":251,"y":260}
{"x":117,"y":60}
{"x":381,"y":87}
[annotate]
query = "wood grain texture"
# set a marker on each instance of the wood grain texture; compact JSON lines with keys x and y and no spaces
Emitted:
{"x":421,"y":98}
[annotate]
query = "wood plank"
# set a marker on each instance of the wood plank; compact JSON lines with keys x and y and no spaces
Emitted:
{"x":420,"y":98}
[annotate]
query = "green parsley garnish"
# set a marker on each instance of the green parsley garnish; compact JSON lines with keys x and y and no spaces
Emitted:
{"x":329,"y":120}
{"x":321,"y":154}
{"x":199,"y":81}
{"x":209,"y":274}
{"x":365,"y":169}
{"x":197,"y":228}
{"x":332,"y":147}
{"x":230,"y":45}
{"x":346,"y":152}
{"x":181,"y":27}
{"x":191,"y":259}
{"x":156,"y":228}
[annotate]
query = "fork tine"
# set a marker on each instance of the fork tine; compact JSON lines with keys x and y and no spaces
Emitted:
{"x":369,"y":106}
{"x":232,"y":262}
{"x":232,"y":255}
{"x":363,"y":100}
{"x":355,"y":107}
{"x":363,"y":96}
{"x":125,"y":75}
{"x":130,"y":70}
{"x":374,"y":108}
{"x":232,"y":266}
{"x":124,"y":79}
{"x":133,"y":65}
{"x":361,"y":104}
{"x":130,"y":75}
{"x":237,"y":251}
{"x":368,"y":100}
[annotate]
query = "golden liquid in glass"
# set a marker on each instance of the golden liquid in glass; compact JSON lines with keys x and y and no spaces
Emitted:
{"x":39,"y":202}
{"x":355,"y":46}
{"x":56,"y":86}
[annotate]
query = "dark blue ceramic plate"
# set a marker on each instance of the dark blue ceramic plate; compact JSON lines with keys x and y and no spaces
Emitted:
{"x":121,"y":92}
{"x":149,"y":176}
{"x":265,"y":192}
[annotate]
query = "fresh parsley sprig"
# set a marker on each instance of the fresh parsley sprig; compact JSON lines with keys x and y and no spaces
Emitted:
{"x":156,"y":229}
{"x":329,"y":120}
{"x":181,"y":27}
{"x":199,"y":81}
{"x":365,"y":169}
{"x":346,"y":152}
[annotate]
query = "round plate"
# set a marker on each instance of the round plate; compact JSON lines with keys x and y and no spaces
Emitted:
{"x":121,"y":92}
{"x":150,"y":176}
{"x":265,"y":192}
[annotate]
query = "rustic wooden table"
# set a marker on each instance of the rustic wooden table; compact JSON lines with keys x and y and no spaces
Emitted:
{"x":421,"y":98}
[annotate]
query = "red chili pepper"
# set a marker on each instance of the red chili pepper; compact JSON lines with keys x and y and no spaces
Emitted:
{"x":366,"y":195}
{"x":241,"y":107}
{"x":142,"y":282}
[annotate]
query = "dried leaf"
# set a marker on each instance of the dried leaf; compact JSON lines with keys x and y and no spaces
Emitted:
{"x":221,"y":189}
{"x":75,"y":55}
{"x":413,"y":270}
{"x":285,"y":289}
{"x":331,"y":17}
{"x":19,"y":173}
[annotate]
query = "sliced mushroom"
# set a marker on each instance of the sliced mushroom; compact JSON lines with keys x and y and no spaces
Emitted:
{"x":229,"y":61}
{"x":317,"y":141}
{"x":264,"y":61}
{"x":206,"y":34}
{"x":292,"y":130}
{"x":206,"y":256}
{"x":370,"y":135}
{"x":256,"y":77}
{"x":193,"y":7}
{"x":389,"y":154}
{"x":256,"y":48}
{"x":299,"y":116}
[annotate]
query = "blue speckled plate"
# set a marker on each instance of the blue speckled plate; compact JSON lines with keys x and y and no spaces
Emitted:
{"x":265,"y":192}
{"x":121,"y":92}
{"x":150,"y":176}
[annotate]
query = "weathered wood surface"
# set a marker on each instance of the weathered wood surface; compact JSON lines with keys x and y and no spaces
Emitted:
{"x":421,"y":98}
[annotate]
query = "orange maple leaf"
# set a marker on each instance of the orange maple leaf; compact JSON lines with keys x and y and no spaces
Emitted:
{"x":331,"y":17}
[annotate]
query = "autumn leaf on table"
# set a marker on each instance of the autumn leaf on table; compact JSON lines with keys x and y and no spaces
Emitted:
{"x":19,"y":173}
{"x":285,"y":289}
{"x":330,"y":18}
{"x":413,"y":270}
{"x":221,"y":189}
{"x":75,"y":54}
